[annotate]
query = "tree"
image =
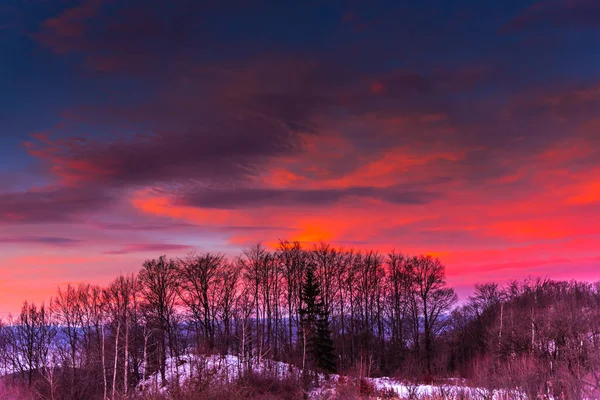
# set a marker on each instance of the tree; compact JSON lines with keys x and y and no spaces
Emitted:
{"x":199,"y":278}
{"x":324,"y":344}
{"x":398,"y":281}
{"x":261,"y":275}
{"x":31,"y":341}
{"x":158,"y":278}
{"x":120,"y":302}
{"x":316,"y":335}
{"x":537,"y":336}
{"x":69,"y":314}
{"x":435,"y":298}
{"x":227,"y":295}
{"x":292,"y":258}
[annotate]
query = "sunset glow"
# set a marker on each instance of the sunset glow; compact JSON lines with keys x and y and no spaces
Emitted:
{"x":131,"y":130}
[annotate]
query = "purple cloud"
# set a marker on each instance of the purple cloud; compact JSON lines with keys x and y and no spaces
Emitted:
{"x":51,"y":205}
{"x":44,"y":240}
{"x":148,"y":247}
{"x":558,"y":13}
{"x":260,"y":197}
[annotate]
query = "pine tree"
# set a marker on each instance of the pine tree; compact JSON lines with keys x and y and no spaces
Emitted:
{"x":315,"y":332}
{"x":324,"y":344}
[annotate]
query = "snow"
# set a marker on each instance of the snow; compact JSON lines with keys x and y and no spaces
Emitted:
{"x":228,"y":368}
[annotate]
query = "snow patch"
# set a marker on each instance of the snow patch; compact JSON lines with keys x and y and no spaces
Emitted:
{"x":228,"y":368}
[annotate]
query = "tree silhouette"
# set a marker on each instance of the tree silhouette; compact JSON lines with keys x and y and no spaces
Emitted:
{"x":324,"y":344}
{"x":316,"y":335}
{"x":384,"y":316}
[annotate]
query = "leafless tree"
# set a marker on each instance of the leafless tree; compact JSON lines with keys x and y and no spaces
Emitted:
{"x":435,"y":298}
{"x":199,"y":278}
{"x":387,"y":315}
{"x":30,"y":341}
{"x":292,"y":259}
{"x":69,"y":314}
{"x":158,"y":279}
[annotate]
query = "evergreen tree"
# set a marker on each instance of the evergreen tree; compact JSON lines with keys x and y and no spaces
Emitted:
{"x":315,"y":332}
{"x":324,"y":344}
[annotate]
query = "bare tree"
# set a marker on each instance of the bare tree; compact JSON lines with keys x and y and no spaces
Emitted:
{"x":292,"y":259}
{"x":382,"y":315}
{"x":199,"y":276}
{"x":69,"y":314}
{"x":158,"y":279}
{"x":226,"y":298}
{"x":30,"y":341}
{"x":398,"y":287}
{"x":435,"y":298}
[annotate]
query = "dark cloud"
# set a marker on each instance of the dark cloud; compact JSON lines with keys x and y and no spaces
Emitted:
{"x":51,"y":205}
{"x":220,"y":117}
{"x":569,"y":102}
{"x":122,"y":226}
{"x":124,"y":33}
{"x":45,"y":240}
{"x":217,"y":147}
{"x":148,"y":247}
{"x":558,"y":13}
{"x":292,"y":113}
{"x":259,"y":197}
{"x":229,"y":127}
{"x":184,"y":226}
{"x":202,"y":119}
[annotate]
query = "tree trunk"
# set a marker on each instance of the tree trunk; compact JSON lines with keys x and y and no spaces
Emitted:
{"x":114,"y":382}
{"x":104,"y":364}
{"x":145,"y":351}
{"x":126,"y":360}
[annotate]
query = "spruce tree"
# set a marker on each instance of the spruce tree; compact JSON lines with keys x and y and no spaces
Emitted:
{"x":315,"y":334}
{"x":324,"y":344}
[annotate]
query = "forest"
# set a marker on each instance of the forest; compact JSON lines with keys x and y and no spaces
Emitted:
{"x":319,"y":311}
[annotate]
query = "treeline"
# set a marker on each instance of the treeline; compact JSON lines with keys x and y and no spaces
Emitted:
{"x":539,"y":335}
{"x":320,"y":309}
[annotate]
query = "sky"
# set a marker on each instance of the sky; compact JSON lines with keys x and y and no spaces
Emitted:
{"x":469,"y":130}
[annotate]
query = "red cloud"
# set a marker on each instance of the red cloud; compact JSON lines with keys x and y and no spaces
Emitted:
{"x":456,"y":161}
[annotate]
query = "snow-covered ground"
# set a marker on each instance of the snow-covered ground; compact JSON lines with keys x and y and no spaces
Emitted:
{"x":226,"y":368}
{"x":229,"y":368}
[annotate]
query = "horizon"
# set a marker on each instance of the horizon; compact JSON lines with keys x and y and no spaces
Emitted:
{"x":469,"y":132}
{"x":463,"y":292}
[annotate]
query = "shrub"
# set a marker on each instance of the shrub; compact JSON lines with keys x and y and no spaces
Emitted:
{"x":261,"y":386}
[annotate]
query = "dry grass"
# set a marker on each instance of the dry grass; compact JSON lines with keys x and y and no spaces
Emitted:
{"x":9,"y":391}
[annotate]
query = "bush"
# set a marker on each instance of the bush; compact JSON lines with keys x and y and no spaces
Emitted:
{"x":260,"y":386}
{"x":356,"y":389}
{"x":15,"y":391}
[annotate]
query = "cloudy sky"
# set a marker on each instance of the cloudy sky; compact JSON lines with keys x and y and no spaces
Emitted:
{"x":135,"y":128}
